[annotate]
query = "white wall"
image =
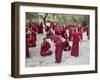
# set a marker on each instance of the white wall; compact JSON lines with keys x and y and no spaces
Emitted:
{"x":5,"y":40}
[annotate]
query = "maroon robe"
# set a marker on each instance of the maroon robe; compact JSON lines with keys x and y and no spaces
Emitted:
{"x":75,"y":44}
{"x":45,"y":49}
{"x":59,"y":48}
{"x":57,"y":30}
{"x":31,"y":41}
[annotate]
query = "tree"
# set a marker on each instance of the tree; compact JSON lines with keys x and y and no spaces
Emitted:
{"x":44,"y":16}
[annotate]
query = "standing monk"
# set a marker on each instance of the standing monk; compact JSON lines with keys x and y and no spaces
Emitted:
{"x":57,"y":30}
{"x":75,"y":43}
{"x":59,"y":47}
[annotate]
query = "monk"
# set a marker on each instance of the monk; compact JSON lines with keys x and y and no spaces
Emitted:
{"x":30,"y":42}
{"x":57,"y":30}
{"x":59,"y":47}
{"x":45,"y":48}
{"x":75,"y":43}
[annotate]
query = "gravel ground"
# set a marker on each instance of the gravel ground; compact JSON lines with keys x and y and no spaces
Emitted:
{"x":37,"y":60}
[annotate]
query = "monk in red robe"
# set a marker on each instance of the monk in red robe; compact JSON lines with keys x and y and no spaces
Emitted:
{"x":30,"y":42}
{"x":45,"y":48}
{"x":75,"y":43}
{"x":59,"y":47}
{"x":57,"y":30}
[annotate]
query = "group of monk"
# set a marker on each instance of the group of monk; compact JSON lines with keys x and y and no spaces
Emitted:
{"x":60,"y":35}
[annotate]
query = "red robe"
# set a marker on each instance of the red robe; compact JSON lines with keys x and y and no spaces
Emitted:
{"x":31,"y":42}
{"x":45,"y":49}
{"x":75,"y":44}
{"x":57,"y":30}
{"x":59,"y":48}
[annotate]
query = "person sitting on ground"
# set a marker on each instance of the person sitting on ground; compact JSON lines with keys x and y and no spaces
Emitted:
{"x":45,"y":46}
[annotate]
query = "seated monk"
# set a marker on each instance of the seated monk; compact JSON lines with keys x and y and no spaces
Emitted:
{"x":67,"y":47}
{"x":31,"y":41}
{"x":45,"y":48}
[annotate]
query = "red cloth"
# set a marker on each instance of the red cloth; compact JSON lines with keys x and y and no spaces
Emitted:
{"x":58,"y":52}
{"x":34,"y":27}
{"x":45,"y":49}
{"x":59,"y":48}
{"x":57,"y":30}
{"x":75,"y":44}
{"x":31,"y":42}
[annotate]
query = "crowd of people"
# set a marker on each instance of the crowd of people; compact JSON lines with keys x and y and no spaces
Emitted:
{"x":60,"y":34}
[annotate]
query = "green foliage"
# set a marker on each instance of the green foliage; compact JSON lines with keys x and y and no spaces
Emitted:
{"x":60,"y":18}
{"x":33,"y":17}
